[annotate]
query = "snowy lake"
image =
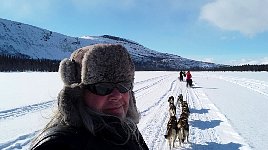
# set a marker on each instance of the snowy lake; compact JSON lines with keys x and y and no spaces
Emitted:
{"x":228,"y":109}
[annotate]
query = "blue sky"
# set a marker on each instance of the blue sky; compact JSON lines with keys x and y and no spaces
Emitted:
{"x":220,"y":31}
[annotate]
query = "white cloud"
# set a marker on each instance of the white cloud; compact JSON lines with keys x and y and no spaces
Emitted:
{"x":246,"y":16}
{"x":211,"y":60}
{"x":244,"y":61}
{"x":264,"y":60}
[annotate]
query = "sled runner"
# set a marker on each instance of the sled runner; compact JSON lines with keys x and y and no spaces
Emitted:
{"x":189,"y":82}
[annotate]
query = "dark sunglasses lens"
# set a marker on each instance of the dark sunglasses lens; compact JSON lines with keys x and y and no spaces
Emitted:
{"x":107,"y":88}
{"x":123,"y":87}
{"x":103,"y":89}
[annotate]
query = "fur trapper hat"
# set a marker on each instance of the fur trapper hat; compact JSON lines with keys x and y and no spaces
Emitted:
{"x":93,"y":64}
{"x":98,"y":63}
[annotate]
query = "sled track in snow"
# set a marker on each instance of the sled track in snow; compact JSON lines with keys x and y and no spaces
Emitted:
{"x":152,"y":81}
{"x":157,"y":103}
{"x":156,"y":123}
{"x":175,"y":92}
{"x":20,"y":111}
{"x":19,"y":142}
{"x":252,"y":84}
{"x":142,"y":91}
{"x":157,"y":120}
{"x":201,"y":122}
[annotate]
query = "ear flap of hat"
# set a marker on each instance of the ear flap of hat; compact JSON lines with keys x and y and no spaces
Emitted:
{"x":68,"y":101}
{"x":69,"y":72}
{"x":132,"y":110}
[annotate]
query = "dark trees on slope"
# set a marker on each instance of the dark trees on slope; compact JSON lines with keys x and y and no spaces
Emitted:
{"x":263,"y":67}
{"x":10,"y":63}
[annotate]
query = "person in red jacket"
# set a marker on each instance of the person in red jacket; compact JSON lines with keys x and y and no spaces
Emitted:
{"x":189,"y":81}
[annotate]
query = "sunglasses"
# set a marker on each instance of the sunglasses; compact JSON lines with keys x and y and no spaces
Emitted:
{"x":106,"y":88}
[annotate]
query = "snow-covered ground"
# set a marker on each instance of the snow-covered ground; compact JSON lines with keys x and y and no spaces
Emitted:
{"x":228,"y":109}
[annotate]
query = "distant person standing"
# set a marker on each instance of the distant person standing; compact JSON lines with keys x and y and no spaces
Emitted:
{"x":181,"y":75}
{"x":189,"y":79}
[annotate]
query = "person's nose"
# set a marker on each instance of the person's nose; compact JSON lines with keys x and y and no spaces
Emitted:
{"x":115,"y":95}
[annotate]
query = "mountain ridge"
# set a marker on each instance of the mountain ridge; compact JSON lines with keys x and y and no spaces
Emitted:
{"x":20,"y":39}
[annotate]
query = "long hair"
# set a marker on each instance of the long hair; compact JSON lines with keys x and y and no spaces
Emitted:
{"x":72,"y":111}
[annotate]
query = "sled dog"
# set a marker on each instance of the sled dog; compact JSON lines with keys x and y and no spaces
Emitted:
{"x":171,"y":100}
{"x":184,"y":115}
{"x":183,"y":130}
{"x":171,"y":133}
{"x":172,"y":110}
{"x":180,"y":99}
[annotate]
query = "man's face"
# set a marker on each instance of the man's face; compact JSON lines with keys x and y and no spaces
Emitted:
{"x":115,"y":103}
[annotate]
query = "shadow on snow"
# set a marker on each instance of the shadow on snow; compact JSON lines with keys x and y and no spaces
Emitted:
{"x":198,"y":111}
{"x":210,"y":88}
{"x":203,"y":125}
{"x":217,"y":146}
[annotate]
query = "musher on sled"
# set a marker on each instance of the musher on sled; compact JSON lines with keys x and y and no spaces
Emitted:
{"x":189,"y":81}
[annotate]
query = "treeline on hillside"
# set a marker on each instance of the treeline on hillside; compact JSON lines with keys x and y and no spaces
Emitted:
{"x":118,"y":39}
{"x":156,"y":65}
{"x":153,"y":66}
{"x":242,"y":68}
{"x":9,"y":63}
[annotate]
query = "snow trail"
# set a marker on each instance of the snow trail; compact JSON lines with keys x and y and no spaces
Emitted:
{"x":209,"y":126}
{"x":17,"y":112}
{"x":252,"y":84}
{"x":244,"y":102}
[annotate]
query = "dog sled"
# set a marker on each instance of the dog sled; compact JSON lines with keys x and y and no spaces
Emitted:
{"x":189,"y":82}
{"x":177,"y":128}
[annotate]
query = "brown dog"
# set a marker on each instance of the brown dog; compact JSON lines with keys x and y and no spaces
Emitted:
{"x":171,"y":133}
{"x":183,"y":130}
{"x":172,"y":110}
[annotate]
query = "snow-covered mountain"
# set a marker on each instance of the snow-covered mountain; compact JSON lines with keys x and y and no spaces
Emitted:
{"x":33,"y":42}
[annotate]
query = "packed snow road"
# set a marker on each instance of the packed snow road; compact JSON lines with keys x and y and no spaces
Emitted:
{"x":209,"y":128}
{"x":243,"y":98}
{"x":223,"y":116}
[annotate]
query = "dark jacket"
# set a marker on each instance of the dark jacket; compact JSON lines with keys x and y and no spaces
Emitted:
{"x":71,"y":138}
